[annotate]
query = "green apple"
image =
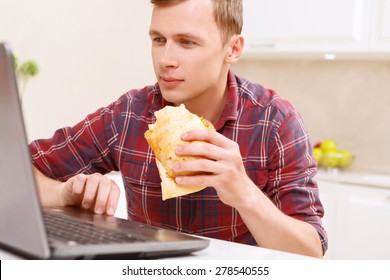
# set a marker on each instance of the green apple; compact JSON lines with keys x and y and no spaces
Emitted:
{"x":329,"y":146}
{"x":345,"y":159}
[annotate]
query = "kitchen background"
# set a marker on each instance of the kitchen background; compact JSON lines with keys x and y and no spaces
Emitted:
{"x":347,"y":101}
{"x":90,"y":52}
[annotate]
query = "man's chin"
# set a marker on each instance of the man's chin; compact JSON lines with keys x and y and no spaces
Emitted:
{"x":172,"y":96}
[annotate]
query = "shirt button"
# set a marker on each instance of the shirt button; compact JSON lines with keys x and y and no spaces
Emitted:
{"x":144,"y":177}
{"x":195,"y":229}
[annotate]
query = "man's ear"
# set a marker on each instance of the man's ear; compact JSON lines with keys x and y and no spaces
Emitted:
{"x":235,"y":48}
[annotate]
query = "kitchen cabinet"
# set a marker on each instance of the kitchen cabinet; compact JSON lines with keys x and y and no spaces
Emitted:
{"x":357,"y":219}
{"x":299,"y":28}
{"x":364,"y":218}
{"x":381,"y":26}
{"x":327,"y":195}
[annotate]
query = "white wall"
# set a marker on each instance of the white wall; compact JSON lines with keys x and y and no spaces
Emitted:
{"x":89,"y":53}
{"x":92,"y":51}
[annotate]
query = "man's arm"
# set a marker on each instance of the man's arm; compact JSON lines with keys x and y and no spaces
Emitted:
{"x":269,"y":226}
{"x":273,"y":229}
{"x":95,"y":192}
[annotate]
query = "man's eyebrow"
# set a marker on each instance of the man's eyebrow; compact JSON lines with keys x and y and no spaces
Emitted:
{"x":188,"y":36}
{"x":178,"y":35}
{"x":154,"y":33}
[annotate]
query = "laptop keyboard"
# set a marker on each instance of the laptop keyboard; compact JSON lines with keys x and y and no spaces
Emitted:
{"x":72,"y":231}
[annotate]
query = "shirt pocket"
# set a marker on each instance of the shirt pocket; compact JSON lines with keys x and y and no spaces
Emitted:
{"x":141,"y":174}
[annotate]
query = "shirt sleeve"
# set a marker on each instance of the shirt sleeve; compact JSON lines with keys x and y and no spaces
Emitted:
{"x":291,"y":170}
{"x":84,"y":148}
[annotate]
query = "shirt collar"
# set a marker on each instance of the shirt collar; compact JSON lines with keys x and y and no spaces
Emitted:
{"x":157,"y":102}
{"x":230,"y":110}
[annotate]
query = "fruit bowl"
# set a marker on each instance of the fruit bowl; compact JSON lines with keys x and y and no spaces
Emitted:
{"x":336,"y":159}
{"x":328,"y":155}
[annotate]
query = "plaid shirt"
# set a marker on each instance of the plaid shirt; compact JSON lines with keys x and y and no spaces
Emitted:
{"x":274,"y":145}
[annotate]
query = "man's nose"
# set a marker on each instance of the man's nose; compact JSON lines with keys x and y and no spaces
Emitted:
{"x":169,"y":56}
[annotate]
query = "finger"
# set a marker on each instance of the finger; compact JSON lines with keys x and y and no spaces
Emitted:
{"x":206,"y":180}
{"x":201,"y":149}
{"x":113,"y":198}
{"x":198,"y":165}
{"x":207,"y":135}
{"x":73,"y":189}
{"x":103,"y":192}
{"x":77,"y":183}
{"x":90,"y":192}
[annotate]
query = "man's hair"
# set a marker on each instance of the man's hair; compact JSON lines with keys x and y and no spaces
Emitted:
{"x":227,"y":15}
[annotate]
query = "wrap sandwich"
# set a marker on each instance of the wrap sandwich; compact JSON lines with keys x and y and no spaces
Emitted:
{"x":163,"y":137}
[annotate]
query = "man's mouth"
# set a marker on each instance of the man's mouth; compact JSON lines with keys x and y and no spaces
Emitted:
{"x":168,"y":81}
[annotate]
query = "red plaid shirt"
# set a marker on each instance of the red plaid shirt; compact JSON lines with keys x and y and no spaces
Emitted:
{"x":274,"y":145}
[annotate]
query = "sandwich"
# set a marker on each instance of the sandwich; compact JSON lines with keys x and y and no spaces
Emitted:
{"x":163,"y":137}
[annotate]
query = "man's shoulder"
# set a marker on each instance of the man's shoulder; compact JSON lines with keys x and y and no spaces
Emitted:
{"x":138,"y":103}
{"x":261,"y":97}
{"x":141,"y":98}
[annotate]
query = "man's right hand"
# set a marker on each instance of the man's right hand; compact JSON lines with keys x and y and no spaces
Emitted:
{"x":94,"y":192}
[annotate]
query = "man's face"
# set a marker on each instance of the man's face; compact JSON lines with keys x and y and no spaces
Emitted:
{"x":187,"y":51}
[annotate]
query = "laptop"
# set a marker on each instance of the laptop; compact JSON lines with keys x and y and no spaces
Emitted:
{"x":38,"y":232}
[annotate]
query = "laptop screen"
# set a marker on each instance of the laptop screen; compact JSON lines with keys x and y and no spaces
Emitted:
{"x":21,"y":223}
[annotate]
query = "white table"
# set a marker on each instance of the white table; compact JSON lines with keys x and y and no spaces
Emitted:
{"x":217,"y":250}
{"x":225,"y":250}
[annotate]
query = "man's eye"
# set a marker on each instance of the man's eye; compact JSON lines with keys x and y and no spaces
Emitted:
{"x":187,"y":42}
{"x":159,"y":40}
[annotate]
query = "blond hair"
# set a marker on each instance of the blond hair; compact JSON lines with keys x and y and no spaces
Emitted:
{"x":227,"y":15}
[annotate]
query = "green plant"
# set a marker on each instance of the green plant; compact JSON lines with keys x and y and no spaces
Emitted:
{"x":25,"y":71}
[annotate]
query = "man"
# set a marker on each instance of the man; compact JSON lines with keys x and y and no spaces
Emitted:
{"x":258,"y":161}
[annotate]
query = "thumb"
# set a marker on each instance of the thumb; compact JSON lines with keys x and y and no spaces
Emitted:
{"x":73,"y":190}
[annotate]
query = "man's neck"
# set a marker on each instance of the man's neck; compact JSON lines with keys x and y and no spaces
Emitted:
{"x":210,"y":106}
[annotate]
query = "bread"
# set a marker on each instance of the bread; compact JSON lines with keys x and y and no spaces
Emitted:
{"x":164,"y":136}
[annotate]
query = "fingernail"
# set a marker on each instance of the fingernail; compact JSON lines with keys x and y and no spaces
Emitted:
{"x":178,"y":149}
{"x":99,"y":210}
{"x":86,"y":205}
{"x":110,"y":211}
{"x":175,"y":166}
{"x":184,"y":135}
{"x":178,"y":180}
